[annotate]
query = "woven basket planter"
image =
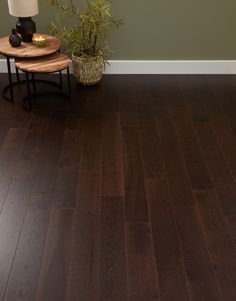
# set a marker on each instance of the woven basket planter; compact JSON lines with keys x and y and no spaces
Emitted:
{"x":88,"y":71}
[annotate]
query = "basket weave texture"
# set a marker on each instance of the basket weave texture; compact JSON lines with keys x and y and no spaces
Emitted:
{"x":88,"y":71}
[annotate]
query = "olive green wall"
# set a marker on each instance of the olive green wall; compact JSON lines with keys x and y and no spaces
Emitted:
{"x":161,"y":29}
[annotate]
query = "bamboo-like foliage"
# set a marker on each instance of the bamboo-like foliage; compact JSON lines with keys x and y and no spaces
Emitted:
{"x":88,"y":37}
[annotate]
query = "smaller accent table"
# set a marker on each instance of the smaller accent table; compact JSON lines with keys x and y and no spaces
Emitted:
{"x":51,"y":63}
{"x":26,"y":50}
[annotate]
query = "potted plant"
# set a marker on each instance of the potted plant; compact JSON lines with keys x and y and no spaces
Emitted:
{"x":86,"y":39}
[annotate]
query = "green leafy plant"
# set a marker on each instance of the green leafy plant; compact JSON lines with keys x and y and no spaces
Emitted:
{"x":87,"y":37}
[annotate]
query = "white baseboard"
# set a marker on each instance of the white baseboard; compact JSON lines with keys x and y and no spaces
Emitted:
{"x":162,"y":67}
{"x":172,"y":67}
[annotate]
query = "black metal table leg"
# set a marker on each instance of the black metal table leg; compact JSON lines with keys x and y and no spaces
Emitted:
{"x":10,"y":79}
{"x":17,"y":74}
{"x":60,"y":75}
{"x":68,"y":81}
{"x":28,"y":106}
{"x":33,"y":82}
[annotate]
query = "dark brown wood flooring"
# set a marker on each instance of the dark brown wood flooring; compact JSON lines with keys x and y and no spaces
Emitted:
{"x":126,"y":193}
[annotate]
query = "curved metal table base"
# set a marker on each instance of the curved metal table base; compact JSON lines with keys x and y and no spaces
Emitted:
{"x":23,"y":82}
{"x":28,"y":99}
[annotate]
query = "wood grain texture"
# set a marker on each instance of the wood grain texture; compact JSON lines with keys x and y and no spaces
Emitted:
{"x":45,"y":176}
{"x":112,"y":156}
{"x":68,"y":168}
{"x":175,"y":166}
{"x":219,"y":243}
{"x":46,"y":64}
{"x":197,"y":167}
{"x":113,"y":269}
{"x":134,"y":189}
{"x":29,"y":49}
{"x":28,"y":158}
{"x":126,"y":193}
{"x":167,"y":248}
{"x":152,"y":155}
{"x":227,"y":198}
{"x":10,"y":151}
{"x":11,"y":221}
{"x":212,"y":153}
{"x":200,"y":274}
{"x":91,"y":150}
{"x":24,"y":274}
{"x":212,"y":96}
{"x":9,"y":155}
{"x":142,"y":277}
{"x":54,"y":279}
{"x":76,"y":276}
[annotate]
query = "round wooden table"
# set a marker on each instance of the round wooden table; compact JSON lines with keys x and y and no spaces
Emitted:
{"x":29,"y":49}
{"x":55,"y":62}
{"x":26,"y":50}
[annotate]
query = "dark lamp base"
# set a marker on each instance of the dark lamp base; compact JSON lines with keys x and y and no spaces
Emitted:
{"x":26,"y":27}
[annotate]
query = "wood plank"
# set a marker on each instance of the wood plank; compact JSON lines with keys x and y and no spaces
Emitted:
{"x":19,"y":188}
{"x":83,"y":274}
{"x":214,"y":158}
{"x":153,"y":162}
{"x":25,"y":269}
{"x":5,"y":183}
{"x":142,"y":277}
{"x":129,"y":115}
{"x":218,"y":241}
{"x":189,"y":87}
{"x":113,"y":269}
{"x":227,"y":198}
{"x":4,"y":128}
{"x":112,"y":157}
{"x":10,"y":151}
{"x":167,"y":249}
{"x":200,"y":274}
{"x":185,"y":244}
{"x":68,"y":168}
{"x":70,"y":262}
{"x":45,"y":177}
{"x":78,"y":276}
{"x":8,"y":158}
{"x":29,"y":155}
{"x":143,"y":95}
{"x":27,"y":162}
{"x":89,"y":183}
{"x":91,"y":149}
{"x":196,"y":165}
{"x":220,"y":122}
{"x":176,"y":171}
{"x":54,"y":279}
{"x":11,"y":220}
{"x":197,"y":168}
{"x":88,"y":192}
{"x":224,"y":89}
{"x":110,"y":99}
{"x":135,"y":194}
{"x":13,"y":114}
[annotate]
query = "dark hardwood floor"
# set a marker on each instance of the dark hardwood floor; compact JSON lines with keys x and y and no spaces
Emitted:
{"x":126,"y":193}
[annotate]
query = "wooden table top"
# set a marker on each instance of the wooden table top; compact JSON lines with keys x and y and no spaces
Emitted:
{"x":46,"y":64}
{"x":29,"y":49}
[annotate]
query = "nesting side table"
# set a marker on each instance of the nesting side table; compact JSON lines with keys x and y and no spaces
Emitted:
{"x":51,"y":63}
{"x":26,"y":50}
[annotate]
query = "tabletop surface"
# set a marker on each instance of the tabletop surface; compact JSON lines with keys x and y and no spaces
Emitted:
{"x":46,"y":64}
{"x":29,"y":49}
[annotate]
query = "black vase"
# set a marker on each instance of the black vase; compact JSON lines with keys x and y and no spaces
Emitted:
{"x":14,"y":39}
